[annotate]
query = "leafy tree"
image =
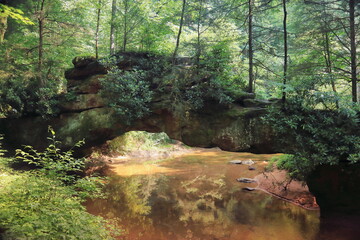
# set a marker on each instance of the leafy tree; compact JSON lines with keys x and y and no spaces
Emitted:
{"x":17,"y":14}
{"x":314,"y":137}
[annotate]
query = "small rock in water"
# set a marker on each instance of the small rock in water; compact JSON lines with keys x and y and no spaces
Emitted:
{"x":252,"y":168}
{"x":248,"y":162}
{"x":236,"y":162}
{"x":249,"y":189}
{"x":246,"y":180}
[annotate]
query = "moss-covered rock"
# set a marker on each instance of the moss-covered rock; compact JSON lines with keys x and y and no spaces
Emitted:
{"x":84,"y":115}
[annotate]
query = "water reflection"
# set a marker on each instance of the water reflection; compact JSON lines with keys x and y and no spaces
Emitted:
{"x":201,"y":201}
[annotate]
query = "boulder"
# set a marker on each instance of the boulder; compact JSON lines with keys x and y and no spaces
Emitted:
{"x":88,"y":85}
{"x":83,"y":61}
{"x":88,"y":67}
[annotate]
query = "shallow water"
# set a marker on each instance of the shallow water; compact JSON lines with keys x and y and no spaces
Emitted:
{"x":196,"y":196}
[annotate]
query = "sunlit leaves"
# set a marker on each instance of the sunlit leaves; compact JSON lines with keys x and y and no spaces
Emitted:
{"x":17,"y":14}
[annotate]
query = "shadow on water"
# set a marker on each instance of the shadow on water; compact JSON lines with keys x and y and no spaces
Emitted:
{"x":196,"y":197}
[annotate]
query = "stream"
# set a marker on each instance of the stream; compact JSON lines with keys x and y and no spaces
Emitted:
{"x":196,"y":196}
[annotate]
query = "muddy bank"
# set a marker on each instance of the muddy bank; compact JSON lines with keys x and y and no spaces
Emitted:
{"x":278,"y":184}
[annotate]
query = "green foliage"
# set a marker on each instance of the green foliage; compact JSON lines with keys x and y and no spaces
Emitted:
{"x":36,"y":207}
{"x":127,"y":93}
{"x":17,"y":14}
{"x":215,"y":79}
{"x":20,"y":93}
{"x":52,"y":162}
{"x":139,"y":140}
{"x":130,"y":92}
{"x":45,"y":203}
{"x":314,"y":137}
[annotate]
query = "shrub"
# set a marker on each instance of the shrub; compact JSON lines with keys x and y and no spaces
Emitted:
{"x":45,"y":203}
{"x":127,"y":93}
{"x":314,"y":137}
{"x":34,"y":207}
{"x":53,"y":162}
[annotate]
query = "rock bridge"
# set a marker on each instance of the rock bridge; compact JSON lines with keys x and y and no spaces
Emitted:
{"x":234,"y":127}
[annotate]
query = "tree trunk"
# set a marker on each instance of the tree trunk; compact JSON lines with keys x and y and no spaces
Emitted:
{"x":3,"y":27}
{"x":125,"y":36}
{"x":198,"y":31}
{"x":180,"y":29}
{"x":328,"y":62}
{"x":251,"y":53}
{"x":353,"y":51}
{"x":285,"y":52}
{"x":41,"y":19}
{"x":112,"y":28}
{"x":97,"y":30}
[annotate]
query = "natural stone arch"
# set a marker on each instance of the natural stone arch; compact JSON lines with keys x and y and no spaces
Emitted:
{"x":234,"y":127}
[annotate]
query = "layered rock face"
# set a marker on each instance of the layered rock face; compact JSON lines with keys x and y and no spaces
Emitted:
{"x":234,"y":127}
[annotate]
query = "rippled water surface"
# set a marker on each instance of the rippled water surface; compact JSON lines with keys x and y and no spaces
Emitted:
{"x":196,"y":196}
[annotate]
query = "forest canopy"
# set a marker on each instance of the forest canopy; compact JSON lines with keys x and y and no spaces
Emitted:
{"x":275,"y":48}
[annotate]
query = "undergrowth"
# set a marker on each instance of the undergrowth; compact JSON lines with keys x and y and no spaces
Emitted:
{"x":45,"y":203}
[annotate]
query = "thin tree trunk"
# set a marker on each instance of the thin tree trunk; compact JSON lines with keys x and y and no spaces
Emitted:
{"x":198,"y":50}
{"x":97,"y":30}
{"x":41,"y":18}
{"x":251,"y":53}
{"x":112,"y":28}
{"x":328,"y":59}
{"x":180,"y":29}
{"x":328,"y":62}
{"x":3,"y":27}
{"x":285,"y":52}
{"x":125,"y":26}
{"x":353,"y":50}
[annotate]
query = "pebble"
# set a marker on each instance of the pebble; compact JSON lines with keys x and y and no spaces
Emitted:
{"x":236,"y":162}
{"x":246,"y":180}
{"x":248,"y":162}
{"x":249,"y":189}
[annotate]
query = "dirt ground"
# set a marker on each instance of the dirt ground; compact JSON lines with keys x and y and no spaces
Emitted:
{"x":277,"y":183}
